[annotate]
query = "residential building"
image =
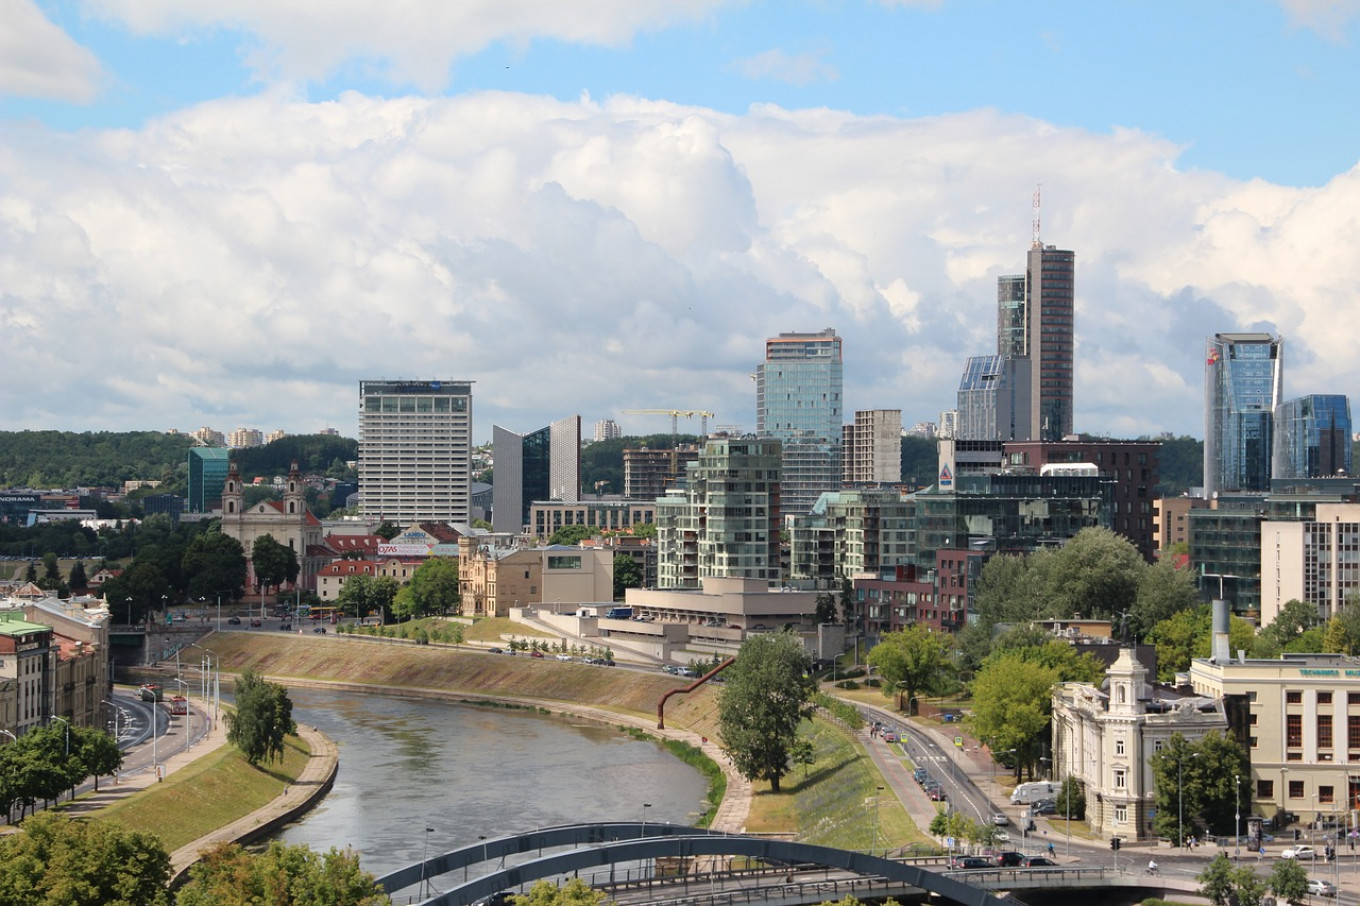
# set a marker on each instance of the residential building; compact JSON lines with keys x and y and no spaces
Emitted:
{"x":994,"y":399}
{"x":871,"y":447}
{"x":1171,"y":520}
{"x":245,"y":437}
{"x":281,"y":434}
{"x":948,"y":423}
{"x":606,"y":514}
{"x":1313,"y":561}
{"x":542,"y":465}
{"x":287,"y":521}
{"x":850,"y":533}
{"x":606,"y":429}
{"x":415,"y":450}
{"x":1105,"y":737}
{"x":647,"y":473}
{"x":207,"y":474}
{"x":1312,"y":437}
{"x":209,"y":437}
{"x":940,"y":598}
{"x":725,"y":522}
{"x":799,"y":402}
{"x":1243,"y":382}
{"x":28,"y":669}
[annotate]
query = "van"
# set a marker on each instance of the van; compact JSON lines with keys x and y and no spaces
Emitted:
{"x":1026,"y":793}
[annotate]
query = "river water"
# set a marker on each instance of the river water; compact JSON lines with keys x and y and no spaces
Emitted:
{"x":465,"y":771}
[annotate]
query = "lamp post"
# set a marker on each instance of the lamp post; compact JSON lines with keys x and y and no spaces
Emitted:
{"x":114,"y":708}
{"x":164,"y":600}
{"x":211,"y":686}
{"x":425,"y":856}
{"x":1180,"y":796}
{"x":219,"y":611}
{"x":129,"y":609}
{"x":10,"y":735}
{"x":1237,"y":819}
{"x":877,"y":795}
{"x":68,"y":741}
{"x":645,"y":806}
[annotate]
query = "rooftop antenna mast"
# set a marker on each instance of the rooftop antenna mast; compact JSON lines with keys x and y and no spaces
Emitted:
{"x":1035,"y":241}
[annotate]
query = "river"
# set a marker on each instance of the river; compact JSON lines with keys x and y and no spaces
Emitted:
{"x":464,"y":771}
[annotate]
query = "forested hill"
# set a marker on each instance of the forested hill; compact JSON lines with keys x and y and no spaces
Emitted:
{"x":67,"y":459}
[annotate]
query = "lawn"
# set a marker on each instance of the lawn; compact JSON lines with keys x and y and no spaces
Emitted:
{"x":214,"y":791}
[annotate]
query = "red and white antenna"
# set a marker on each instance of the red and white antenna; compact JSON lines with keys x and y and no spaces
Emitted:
{"x":1035,"y":241}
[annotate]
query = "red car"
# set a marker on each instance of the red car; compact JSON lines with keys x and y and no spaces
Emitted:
{"x":535,"y":654}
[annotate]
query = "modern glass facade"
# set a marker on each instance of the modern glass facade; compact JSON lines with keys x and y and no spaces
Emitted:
{"x":1010,"y":316}
{"x":1312,"y":437}
{"x":415,"y":450}
{"x":1050,"y":340}
{"x":541,"y":465}
{"x":994,"y":399}
{"x":799,"y":401}
{"x":207,"y":474}
{"x":1243,"y":379}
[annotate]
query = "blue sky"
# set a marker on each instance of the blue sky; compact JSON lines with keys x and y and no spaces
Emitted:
{"x":635,"y":193}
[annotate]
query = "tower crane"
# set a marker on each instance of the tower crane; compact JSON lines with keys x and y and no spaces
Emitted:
{"x":675,"y":415}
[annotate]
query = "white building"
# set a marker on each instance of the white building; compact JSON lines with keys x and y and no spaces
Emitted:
{"x":1314,"y":561}
{"x":415,"y":450}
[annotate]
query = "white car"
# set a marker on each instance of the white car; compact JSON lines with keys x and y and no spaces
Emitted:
{"x":1299,"y":852}
{"x":1320,"y":888}
{"x":1000,"y":820}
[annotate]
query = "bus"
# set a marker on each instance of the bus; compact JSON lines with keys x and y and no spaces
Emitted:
{"x":179,"y":704}
{"x":328,"y":614}
{"x":150,"y":692}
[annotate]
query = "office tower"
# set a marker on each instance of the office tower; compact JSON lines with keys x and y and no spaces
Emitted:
{"x":542,"y":465}
{"x":871,"y":447}
{"x":1010,"y":316}
{"x":725,"y":522}
{"x":208,"y":467}
{"x":1243,"y":381}
{"x":1048,"y":335}
{"x":1312,"y":437}
{"x":994,"y":399}
{"x":415,"y":450}
{"x":606,"y":429}
{"x":798,"y":402}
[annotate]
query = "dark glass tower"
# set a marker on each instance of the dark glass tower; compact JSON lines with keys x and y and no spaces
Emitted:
{"x":1312,"y":437}
{"x":1243,"y":381}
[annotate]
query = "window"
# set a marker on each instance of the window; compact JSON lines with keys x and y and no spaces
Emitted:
{"x":1293,"y":697}
{"x":1324,"y":698}
{"x":1293,"y":730}
{"x":563,"y":563}
{"x":1353,"y":698}
{"x":1119,"y":747}
{"x":1324,"y":731}
{"x":1157,"y":745}
{"x":1296,"y":789}
{"x":1265,"y":789}
{"x":1326,"y":795}
{"x":1121,"y":814}
{"x":1121,"y":780}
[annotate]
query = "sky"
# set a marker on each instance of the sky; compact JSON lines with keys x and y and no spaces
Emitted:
{"x":228,"y":214}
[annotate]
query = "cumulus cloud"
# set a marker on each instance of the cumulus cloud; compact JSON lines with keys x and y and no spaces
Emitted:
{"x":412,"y":42}
{"x":776,"y":65}
{"x":249,"y":260}
{"x":39,"y":60}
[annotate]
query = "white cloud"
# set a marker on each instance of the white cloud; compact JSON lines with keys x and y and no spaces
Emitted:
{"x":1328,"y":18}
{"x":39,"y":60}
{"x":248,"y":261}
{"x":775,"y":65}
{"x":413,"y":42}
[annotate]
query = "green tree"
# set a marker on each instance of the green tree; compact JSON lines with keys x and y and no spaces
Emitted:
{"x":627,"y":574}
{"x":386,"y":530}
{"x":1164,"y":590}
{"x":1195,"y":785}
{"x":913,"y":660}
{"x":78,"y":580}
{"x":1294,"y":619}
{"x":1177,"y":638}
{"x":1095,"y":574}
{"x":97,"y":751}
{"x":55,"y":861}
{"x":574,"y":893}
{"x":826,"y":609}
{"x":433,"y":588}
{"x":274,"y":563}
{"x":1216,"y":882}
{"x":1071,"y":799}
{"x":1012,"y":701}
{"x":282,"y":875}
{"x":214,"y":564}
{"x":262,"y":720}
{"x":767,"y":695}
{"x":144,"y":585}
{"x":362,"y":595}
{"x":1289,"y":881}
{"x":572,"y":534}
{"x":1343,"y":630}
{"x":644,"y":530}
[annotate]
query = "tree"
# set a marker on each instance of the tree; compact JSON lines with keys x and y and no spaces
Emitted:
{"x":1164,"y":590}
{"x":386,"y":530}
{"x":1294,"y":619}
{"x":1177,"y":639}
{"x":914,"y":660}
{"x":282,"y":875}
{"x":1216,"y":882}
{"x":1071,"y":799}
{"x":572,"y":534}
{"x":1012,"y":700}
{"x":1289,"y":881}
{"x":98,"y":752}
{"x":55,"y":861}
{"x":1343,"y":630}
{"x":362,"y":595}
{"x":766,"y":696}
{"x":627,"y":574}
{"x":1095,"y":574}
{"x":826,"y":609}
{"x":274,"y":563}
{"x":214,"y":565}
{"x":262,"y":719}
{"x":1195,"y":785}
{"x":78,"y":579}
{"x":433,"y":588}
{"x":574,"y":893}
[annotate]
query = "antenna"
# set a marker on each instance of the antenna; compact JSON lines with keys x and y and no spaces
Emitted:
{"x":1035,"y":241}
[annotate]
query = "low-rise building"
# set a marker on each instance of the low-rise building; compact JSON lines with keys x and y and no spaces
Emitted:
{"x":495,"y":575}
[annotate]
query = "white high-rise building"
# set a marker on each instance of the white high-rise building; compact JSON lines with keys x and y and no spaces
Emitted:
{"x":606,"y":429}
{"x":415,"y":450}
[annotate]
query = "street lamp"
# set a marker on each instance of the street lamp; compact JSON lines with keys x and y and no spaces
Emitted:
{"x":10,"y":735}
{"x":129,"y":609}
{"x":877,"y":795}
{"x":1180,"y":796}
{"x":645,"y":806}
{"x":68,"y":731}
{"x":164,"y":599}
{"x":208,"y":684}
{"x":425,"y":857}
{"x":1237,"y":819}
{"x":114,"y":708}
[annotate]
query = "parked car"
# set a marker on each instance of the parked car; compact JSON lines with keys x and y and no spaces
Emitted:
{"x":320,"y":629}
{"x":936,"y":794}
{"x":889,"y":736}
{"x":564,"y":657}
{"x":1010,"y":859}
{"x":1039,"y":862}
{"x":1299,"y":852}
{"x":1320,"y":888}
{"x":920,"y":775}
{"x":285,"y":627}
{"x":1043,"y":808}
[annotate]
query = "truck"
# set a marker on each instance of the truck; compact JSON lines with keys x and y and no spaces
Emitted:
{"x":619,"y":613}
{"x":1026,"y":793}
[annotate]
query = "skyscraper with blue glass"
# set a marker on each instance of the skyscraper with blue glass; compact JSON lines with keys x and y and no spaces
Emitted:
{"x":798,"y":401}
{"x":1243,"y":383}
{"x":1312,"y":437}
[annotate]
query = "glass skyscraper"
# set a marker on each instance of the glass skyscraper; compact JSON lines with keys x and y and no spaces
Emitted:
{"x":541,"y":465}
{"x":799,"y":402}
{"x":1243,"y":382}
{"x":208,"y":468}
{"x":1312,"y":437}
{"x":994,"y":399}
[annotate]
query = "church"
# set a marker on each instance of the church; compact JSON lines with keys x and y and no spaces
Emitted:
{"x":287,"y":521}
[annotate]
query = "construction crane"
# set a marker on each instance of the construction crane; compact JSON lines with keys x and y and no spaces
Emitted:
{"x":675,"y":415}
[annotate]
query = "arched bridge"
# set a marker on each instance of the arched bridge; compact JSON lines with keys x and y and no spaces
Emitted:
{"x":602,"y":845}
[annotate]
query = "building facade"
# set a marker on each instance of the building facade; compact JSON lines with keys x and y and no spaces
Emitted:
{"x":607,"y":429}
{"x":850,"y":533}
{"x":1312,"y":437}
{"x":726,"y":521}
{"x":871,"y":447}
{"x":415,"y":450}
{"x":287,"y":521}
{"x":1243,"y":381}
{"x":542,"y":465}
{"x":647,"y":473}
{"x":1316,"y":561}
{"x":1035,"y":321}
{"x":495,"y":575}
{"x":799,"y":402}
{"x":207,"y":474}
{"x":994,"y":399}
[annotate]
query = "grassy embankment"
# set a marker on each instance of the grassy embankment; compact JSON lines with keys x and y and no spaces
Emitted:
{"x":214,"y":791}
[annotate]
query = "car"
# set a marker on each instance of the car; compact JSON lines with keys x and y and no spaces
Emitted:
{"x":1039,"y":862}
{"x":234,"y":621}
{"x":889,"y":736}
{"x":495,"y":651}
{"x":256,"y":624}
{"x":564,"y":657}
{"x":1002,"y":837}
{"x":1043,"y":808}
{"x":320,"y":629}
{"x":1010,"y":859}
{"x":937,"y":794}
{"x":1320,"y":888}
{"x":920,"y":775}
{"x":1299,"y":852}
{"x":969,"y":863}
{"x":537,"y":654}
{"x":1000,"y":819}
{"x":285,"y":627}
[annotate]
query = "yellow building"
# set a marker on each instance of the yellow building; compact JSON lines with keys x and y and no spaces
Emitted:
{"x":495,"y":575}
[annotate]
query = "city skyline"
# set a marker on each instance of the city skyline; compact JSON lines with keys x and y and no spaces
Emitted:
{"x":230,"y":217}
